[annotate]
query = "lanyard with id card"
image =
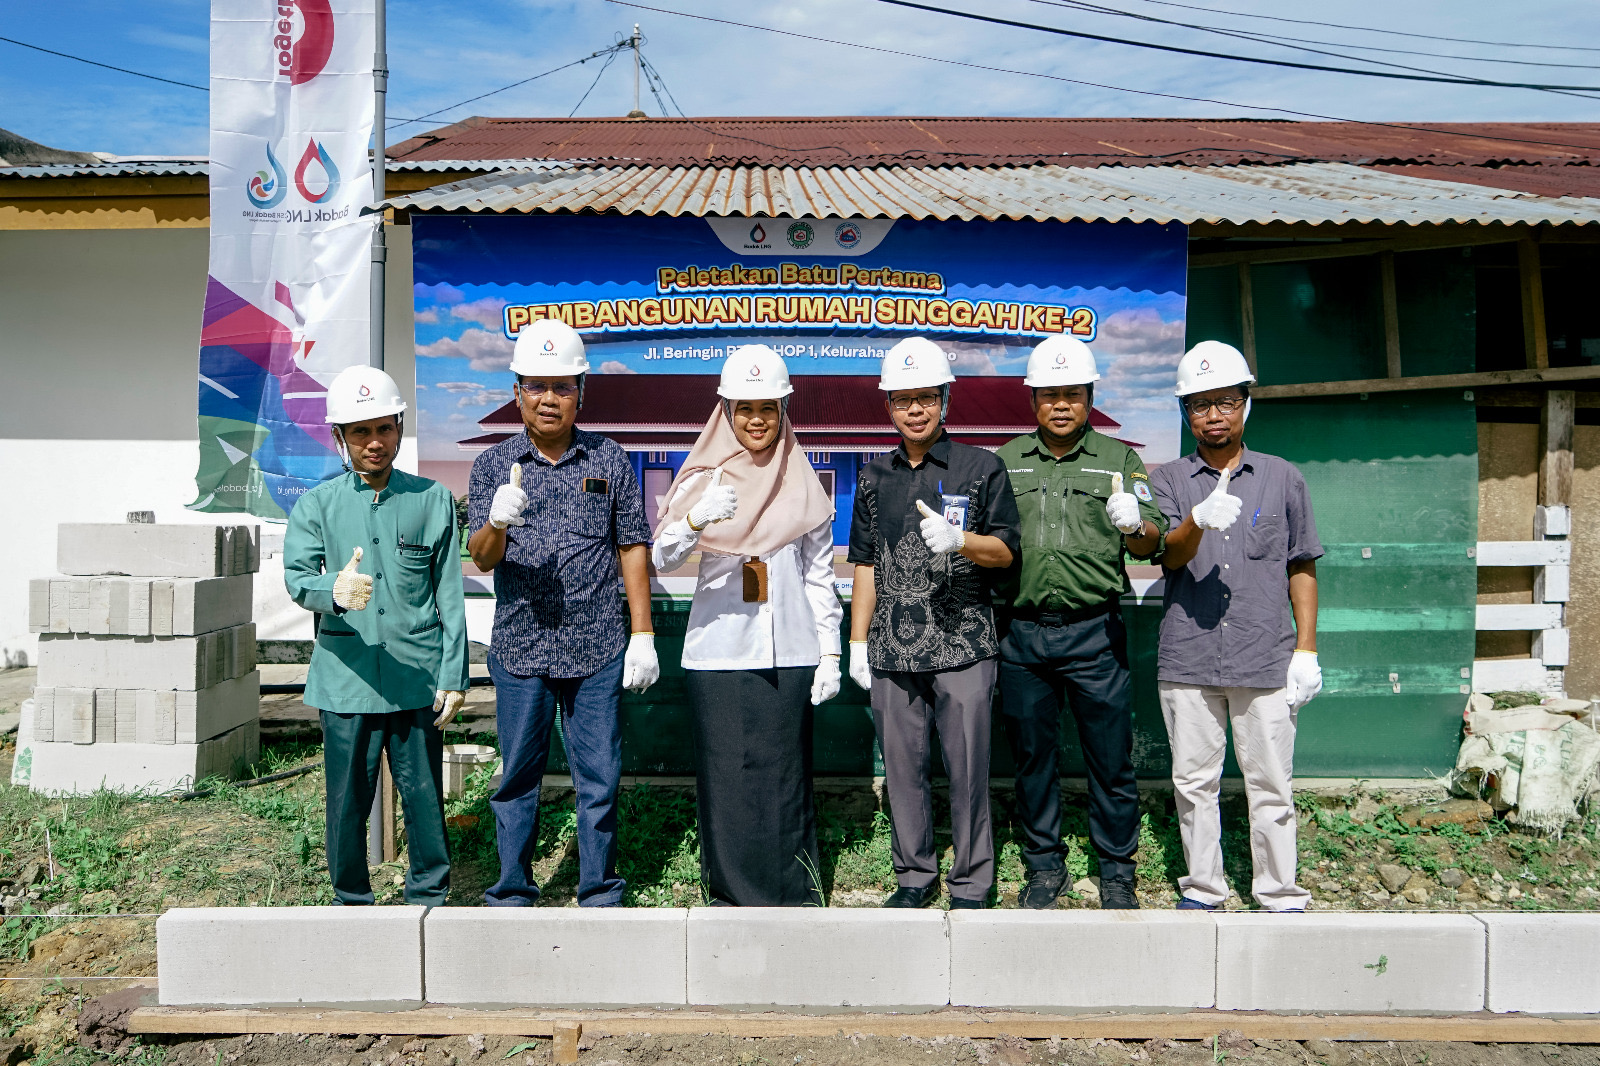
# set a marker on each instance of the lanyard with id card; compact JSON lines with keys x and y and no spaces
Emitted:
{"x":954,"y":507}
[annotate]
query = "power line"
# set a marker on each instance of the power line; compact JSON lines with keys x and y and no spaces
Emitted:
{"x":1373,"y":29}
{"x":1093,"y":85}
{"x":1275,"y":39}
{"x":993,"y":20}
{"x":106,"y":66}
{"x":611,"y":51}
{"x":603,"y":67}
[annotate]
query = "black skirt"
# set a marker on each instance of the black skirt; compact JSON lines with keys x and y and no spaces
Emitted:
{"x":758,"y":824}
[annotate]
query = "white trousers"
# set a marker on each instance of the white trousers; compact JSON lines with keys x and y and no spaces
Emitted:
{"x":1197,"y":718}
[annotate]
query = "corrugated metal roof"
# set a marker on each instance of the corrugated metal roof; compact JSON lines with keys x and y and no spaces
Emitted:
{"x":1300,"y":192}
{"x":122,"y":168}
{"x":955,"y":141}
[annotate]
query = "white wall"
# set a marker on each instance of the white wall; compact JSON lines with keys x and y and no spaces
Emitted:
{"x":99,"y":337}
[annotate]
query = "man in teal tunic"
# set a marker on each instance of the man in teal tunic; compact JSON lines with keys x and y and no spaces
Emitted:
{"x":390,"y":665}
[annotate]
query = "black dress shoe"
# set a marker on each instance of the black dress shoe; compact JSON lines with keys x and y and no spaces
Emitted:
{"x":911,"y":898}
{"x":1116,"y":894}
{"x":1042,"y":889}
{"x":966,"y":904}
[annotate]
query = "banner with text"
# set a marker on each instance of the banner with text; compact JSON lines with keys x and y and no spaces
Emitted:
{"x":286,"y":304}
{"x":664,"y":295}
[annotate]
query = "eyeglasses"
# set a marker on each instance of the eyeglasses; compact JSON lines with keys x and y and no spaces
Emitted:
{"x":535,"y":389}
{"x":1226,"y":404}
{"x":925,"y":401}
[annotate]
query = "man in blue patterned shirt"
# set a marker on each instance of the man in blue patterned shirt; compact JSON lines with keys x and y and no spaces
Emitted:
{"x":558,"y":627}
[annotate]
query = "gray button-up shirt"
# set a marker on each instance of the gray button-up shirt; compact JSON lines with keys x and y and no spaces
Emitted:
{"x":1226,"y":619}
{"x":558,"y":611}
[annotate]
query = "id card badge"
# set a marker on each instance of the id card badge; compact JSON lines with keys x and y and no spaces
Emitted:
{"x":955,"y":509}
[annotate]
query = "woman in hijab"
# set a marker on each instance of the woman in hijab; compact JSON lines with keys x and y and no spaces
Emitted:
{"x":763,"y":641}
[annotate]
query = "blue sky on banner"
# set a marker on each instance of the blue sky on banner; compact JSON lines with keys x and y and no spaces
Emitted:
{"x":444,"y":53}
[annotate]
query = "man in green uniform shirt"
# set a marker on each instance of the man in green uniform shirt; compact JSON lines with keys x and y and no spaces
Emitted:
{"x":390,"y":665}
{"x":1084,"y":500}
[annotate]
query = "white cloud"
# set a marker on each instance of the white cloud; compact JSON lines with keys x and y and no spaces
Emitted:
{"x":485,"y":312}
{"x":428,"y":317}
{"x":485,"y":398}
{"x":973,"y":359}
{"x":1139,"y":329}
{"x":483,"y":350}
{"x":460,"y":386}
{"x":614,"y":366}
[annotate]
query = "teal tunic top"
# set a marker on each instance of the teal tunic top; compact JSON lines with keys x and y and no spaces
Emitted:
{"x":411,"y":639}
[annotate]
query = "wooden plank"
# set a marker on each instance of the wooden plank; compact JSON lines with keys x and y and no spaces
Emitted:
{"x":1555,"y":453}
{"x":1247,"y":316}
{"x":1524,"y":552}
{"x":1194,"y":1025}
{"x":1508,"y":675}
{"x":1515,"y":616}
{"x":1535,"y":347}
{"x":1463,"y":237}
{"x":1391,"y":314}
{"x":1484,"y":379}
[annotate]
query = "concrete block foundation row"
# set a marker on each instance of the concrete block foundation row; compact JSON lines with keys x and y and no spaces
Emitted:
{"x":848,"y":959}
{"x":138,"y":606}
{"x":165,"y":551}
{"x":144,"y":715}
{"x":69,"y":660}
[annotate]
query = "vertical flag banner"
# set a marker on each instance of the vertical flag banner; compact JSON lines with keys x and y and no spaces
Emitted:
{"x":287,"y":297}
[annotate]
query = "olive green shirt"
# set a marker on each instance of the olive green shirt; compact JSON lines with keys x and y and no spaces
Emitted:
{"x":1072,"y":556}
{"x":411,"y":639}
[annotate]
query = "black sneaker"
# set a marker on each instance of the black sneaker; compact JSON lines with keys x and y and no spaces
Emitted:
{"x":1041,"y":890}
{"x":1116,"y":894}
{"x":911,"y":898}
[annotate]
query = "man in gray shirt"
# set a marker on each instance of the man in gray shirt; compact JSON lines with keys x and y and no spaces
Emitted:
{"x":1238,"y":630}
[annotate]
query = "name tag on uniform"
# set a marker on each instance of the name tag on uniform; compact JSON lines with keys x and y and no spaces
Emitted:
{"x":596,"y":484}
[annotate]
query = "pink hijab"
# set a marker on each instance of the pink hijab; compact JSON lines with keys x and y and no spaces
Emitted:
{"x":781,"y":499}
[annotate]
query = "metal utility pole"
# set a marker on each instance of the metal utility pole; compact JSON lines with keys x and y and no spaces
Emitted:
{"x":635,"y":41}
{"x":380,"y":251}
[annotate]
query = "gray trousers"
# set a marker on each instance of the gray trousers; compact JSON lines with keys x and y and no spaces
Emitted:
{"x":906,"y":709}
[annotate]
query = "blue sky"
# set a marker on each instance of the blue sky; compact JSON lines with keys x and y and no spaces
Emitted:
{"x":443,"y":53}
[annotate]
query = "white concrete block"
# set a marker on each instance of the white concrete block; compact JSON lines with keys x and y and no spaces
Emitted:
{"x":44,"y":715}
{"x":1053,"y":960}
{"x":807,"y":957}
{"x":335,"y":956}
{"x":79,"y":706}
{"x":99,"y":607}
{"x":127,"y":715}
{"x":39,"y":605}
{"x":73,"y":769}
{"x":146,"y":662}
{"x":556,"y":957}
{"x":156,"y":717}
{"x":105,"y":715}
{"x":205,"y":605}
{"x":60,"y":613}
{"x":161,"y":602}
{"x":206,"y":713}
{"x":78,"y":605}
{"x":1543,"y":963}
{"x":153,"y":550}
{"x":1350,"y":962}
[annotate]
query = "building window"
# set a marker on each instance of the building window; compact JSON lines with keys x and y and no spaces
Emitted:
{"x":820,"y":457}
{"x":826,"y":477}
{"x":656,"y":483}
{"x":655,"y":457}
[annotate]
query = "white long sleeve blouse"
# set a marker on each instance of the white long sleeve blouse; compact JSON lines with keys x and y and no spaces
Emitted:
{"x":797,"y":625}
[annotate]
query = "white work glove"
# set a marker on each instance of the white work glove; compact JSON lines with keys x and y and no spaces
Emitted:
{"x":860,"y":669}
{"x":447,"y":704}
{"x":937,"y":533}
{"x":1217,"y":511}
{"x":640,"y":667}
{"x":1123,"y":508}
{"x":509,"y":502}
{"x":825,"y":682}
{"x":352,"y":590}
{"x":717,"y":504}
{"x":1305,"y":679}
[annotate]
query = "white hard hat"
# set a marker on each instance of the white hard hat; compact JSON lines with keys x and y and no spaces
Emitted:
{"x":1061,"y":360}
{"x":549,"y":347}
{"x":1211,"y":365}
{"x":360,"y":393}
{"x":754,"y":372}
{"x":914,"y":363}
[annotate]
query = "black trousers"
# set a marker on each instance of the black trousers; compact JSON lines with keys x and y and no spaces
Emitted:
{"x":758,"y":820}
{"x":1087,"y":663}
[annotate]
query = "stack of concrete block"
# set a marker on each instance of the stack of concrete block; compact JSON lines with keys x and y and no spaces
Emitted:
{"x":147,"y":657}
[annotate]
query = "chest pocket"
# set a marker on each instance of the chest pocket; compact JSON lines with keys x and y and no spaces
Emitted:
{"x":1267,"y":536}
{"x":1032,"y":499}
{"x":592,"y":514}
{"x":413,"y":578}
{"x":1089,"y":529}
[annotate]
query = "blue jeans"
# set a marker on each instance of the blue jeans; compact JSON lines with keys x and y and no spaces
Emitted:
{"x":525,"y":709}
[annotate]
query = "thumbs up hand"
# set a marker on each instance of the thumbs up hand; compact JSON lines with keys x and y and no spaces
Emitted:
{"x":1123,"y":508}
{"x":1218,"y":511}
{"x":937,"y":533}
{"x":509,"y":502}
{"x":352,"y":589}
{"x":717,"y":504}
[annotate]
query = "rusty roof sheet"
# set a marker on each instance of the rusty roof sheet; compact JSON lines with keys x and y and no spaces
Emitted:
{"x":1300,"y":192}
{"x":947,"y":141}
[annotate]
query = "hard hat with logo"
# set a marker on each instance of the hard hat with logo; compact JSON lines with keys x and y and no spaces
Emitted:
{"x":550,"y":348}
{"x":914,"y":363}
{"x":1061,"y":360}
{"x":754,"y":372}
{"x":1212,"y":365}
{"x":360,"y":393}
